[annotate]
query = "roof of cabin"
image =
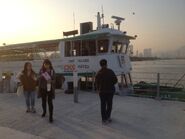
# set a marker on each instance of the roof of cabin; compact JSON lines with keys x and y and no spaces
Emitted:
{"x":105,"y":32}
{"x":51,"y":45}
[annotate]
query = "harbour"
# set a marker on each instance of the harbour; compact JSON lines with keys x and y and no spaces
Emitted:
{"x":108,"y":69}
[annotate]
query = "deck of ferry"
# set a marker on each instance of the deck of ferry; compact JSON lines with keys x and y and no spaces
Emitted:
{"x":133,"y":118}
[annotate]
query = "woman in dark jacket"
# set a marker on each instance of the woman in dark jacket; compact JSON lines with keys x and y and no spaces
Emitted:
{"x":28,"y":80}
{"x":47,"y":87}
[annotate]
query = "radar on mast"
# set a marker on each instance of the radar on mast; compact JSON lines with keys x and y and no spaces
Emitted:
{"x":118,"y":21}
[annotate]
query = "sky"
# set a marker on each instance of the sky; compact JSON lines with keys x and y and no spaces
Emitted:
{"x":159,"y":24}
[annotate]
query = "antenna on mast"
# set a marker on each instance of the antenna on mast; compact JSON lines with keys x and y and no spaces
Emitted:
{"x":74,"y":20}
{"x":102,"y":16}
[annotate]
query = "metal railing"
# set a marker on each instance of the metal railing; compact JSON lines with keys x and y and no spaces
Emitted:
{"x":159,"y":85}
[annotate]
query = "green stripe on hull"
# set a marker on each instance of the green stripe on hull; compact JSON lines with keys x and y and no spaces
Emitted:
{"x":79,"y":74}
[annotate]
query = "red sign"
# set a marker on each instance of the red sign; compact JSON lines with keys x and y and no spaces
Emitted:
{"x":69,"y":67}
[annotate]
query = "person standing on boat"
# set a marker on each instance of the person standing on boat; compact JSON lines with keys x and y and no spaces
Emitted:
{"x":28,"y":80}
{"x":47,"y":87}
{"x":105,"y":81}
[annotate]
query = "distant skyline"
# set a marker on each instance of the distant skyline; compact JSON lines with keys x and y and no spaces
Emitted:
{"x":159,"y":24}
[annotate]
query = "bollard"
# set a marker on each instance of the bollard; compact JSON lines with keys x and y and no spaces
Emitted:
{"x":158,"y":86}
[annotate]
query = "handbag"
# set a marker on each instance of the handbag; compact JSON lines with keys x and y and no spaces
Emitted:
{"x":19,"y":90}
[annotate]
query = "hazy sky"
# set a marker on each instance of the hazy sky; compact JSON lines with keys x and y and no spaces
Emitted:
{"x":159,"y":24}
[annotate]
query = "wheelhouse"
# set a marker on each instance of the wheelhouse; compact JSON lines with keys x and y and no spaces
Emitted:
{"x":96,"y":43}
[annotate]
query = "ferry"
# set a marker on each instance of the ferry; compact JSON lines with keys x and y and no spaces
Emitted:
{"x":73,"y":54}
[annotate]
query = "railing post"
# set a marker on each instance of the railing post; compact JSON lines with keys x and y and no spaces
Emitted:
{"x":130,"y":79}
{"x":122,"y":81}
{"x":158,"y":86}
{"x":126,"y":82}
{"x":75,"y":86}
{"x":93,"y":81}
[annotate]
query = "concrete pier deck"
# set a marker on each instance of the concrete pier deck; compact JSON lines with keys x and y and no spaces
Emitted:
{"x":133,"y":118}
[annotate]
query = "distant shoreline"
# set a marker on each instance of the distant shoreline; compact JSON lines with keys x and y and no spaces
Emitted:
{"x":151,"y":58}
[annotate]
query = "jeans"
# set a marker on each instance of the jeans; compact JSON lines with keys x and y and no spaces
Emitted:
{"x":30,"y":98}
{"x":106,"y":105}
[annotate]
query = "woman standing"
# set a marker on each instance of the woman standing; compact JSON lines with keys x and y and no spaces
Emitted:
{"x":28,"y":80}
{"x":47,"y":87}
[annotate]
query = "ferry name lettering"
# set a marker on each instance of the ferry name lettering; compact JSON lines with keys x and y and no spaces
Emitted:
{"x":83,"y":60}
{"x":83,"y":66}
{"x":71,"y":61}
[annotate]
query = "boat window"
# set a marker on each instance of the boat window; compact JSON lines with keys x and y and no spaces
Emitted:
{"x":88,"y":47}
{"x":103,"y":46}
{"x":76,"y":48}
{"x":92,"y":47}
{"x":80,"y":48}
{"x":126,"y":48}
{"x":118,"y":47}
{"x":67,"y":48}
{"x":85,"y":51}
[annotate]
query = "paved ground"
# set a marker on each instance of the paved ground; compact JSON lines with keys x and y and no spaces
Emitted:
{"x":133,"y":118}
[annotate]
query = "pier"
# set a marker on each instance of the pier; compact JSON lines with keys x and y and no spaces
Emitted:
{"x":133,"y":118}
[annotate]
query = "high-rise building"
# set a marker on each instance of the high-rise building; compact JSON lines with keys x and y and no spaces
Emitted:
{"x":137,"y":53}
{"x":140,"y":54}
{"x":147,"y":52}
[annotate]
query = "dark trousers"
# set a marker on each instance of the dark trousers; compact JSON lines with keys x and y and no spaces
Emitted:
{"x":47,"y":97}
{"x":106,"y":105}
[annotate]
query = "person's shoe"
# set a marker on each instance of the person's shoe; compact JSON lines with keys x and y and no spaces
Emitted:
{"x":51,"y":119}
{"x":28,"y":110}
{"x":109,"y":120}
{"x":33,"y":110}
{"x":104,"y":122}
{"x":43,"y":115}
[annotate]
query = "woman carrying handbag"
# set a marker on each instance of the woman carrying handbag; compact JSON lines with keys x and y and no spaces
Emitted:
{"x":28,"y":81}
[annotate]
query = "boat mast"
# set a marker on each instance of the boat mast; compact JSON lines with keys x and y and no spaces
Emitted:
{"x":98,"y":21}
